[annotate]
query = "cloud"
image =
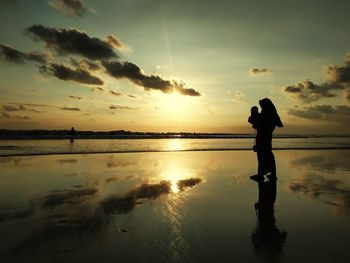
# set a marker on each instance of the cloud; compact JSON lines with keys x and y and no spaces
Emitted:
{"x":63,"y":72}
{"x":337,"y":78}
{"x":21,"y":117}
{"x":339,"y":113}
{"x":115,"y":93}
{"x":120,"y":107}
{"x":20,"y":107}
{"x":10,"y":108}
{"x":347,"y":96}
{"x":132,"y":96}
{"x":5,"y":115}
{"x":32,"y":104}
{"x":72,"y":41}
{"x":256,"y":71}
{"x":339,"y":74}
{"x":307,"y":91}
{"x":75,"y":97}
{"x":238,"y":96}
{"x":75,"y":8}
{"x":97,"y":89}
{"x":117,"y":43}
{"x":180,"y":87}
{"x":134,"y":74}
{"x":69,"y":108}
{"x":85,"y":64}
{"x":12,"y":55}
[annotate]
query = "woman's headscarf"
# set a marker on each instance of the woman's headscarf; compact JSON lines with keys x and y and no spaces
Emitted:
{"x":269,"y":113}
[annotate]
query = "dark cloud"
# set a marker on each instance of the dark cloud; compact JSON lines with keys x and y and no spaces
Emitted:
{"x":116,"y":42}
{"x":12,"y":55}
{"x":180,"y":88}
{"x":339,"y":74}
{"x":132,"y":96}
{"x":21,"y":117}
{"x":255,"y":71}
{"x":134,"y":74}
{"x":338,"y":78}
{"x":75,"y":8}
{"x":115,"y":93}
{"x":75,"y":97}
{"x":63,"y":72}
{"x":72,"y":41}
{"x":20,"y":107}
{"x":5,"y":115}
{"x":307,"y":91}
{"x":10,"y":108}
{"x":69,"y":108}
{"x":97,"y":88}
{"x":32,"y":104}
{"x":120,"y":107}
{"x":340,"y":113}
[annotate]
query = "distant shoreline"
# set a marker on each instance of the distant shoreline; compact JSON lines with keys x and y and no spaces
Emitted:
{"x":121,"y":134}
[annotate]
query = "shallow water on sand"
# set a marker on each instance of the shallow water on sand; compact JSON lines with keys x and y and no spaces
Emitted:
{"x":173,"y":207}
{"x":35,"y":147}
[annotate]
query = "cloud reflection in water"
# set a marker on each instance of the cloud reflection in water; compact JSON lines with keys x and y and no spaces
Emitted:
{"x":63,"y":217}
{"x":318,"y":179}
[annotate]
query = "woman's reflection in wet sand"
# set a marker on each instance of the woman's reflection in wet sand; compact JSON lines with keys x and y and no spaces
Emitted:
{"x":267,"y":239}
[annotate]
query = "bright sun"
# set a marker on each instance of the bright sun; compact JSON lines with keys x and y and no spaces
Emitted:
{"x":174,"y":104}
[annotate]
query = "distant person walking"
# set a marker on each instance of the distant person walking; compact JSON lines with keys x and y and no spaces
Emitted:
{"x":72,"y":134}
{"x":265,"y":123}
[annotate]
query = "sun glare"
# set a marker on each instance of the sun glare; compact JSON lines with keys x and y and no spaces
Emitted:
{"x":173,"y":175}
{"x":175,"y":145}
{"x":174,"y":104}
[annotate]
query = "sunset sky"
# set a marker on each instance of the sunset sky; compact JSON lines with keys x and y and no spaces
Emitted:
{"x":174,"y":65}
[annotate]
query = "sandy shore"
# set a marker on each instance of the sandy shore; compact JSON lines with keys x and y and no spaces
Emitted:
{"x":173,"y":207}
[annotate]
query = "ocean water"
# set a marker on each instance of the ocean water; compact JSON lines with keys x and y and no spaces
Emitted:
{"x":194,"y":206}
{"x":35,"y":147}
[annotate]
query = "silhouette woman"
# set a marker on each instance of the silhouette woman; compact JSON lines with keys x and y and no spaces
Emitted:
{"x":266,"y":124}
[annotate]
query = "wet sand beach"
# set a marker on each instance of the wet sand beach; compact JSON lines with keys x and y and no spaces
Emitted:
{"x":174,"y":207}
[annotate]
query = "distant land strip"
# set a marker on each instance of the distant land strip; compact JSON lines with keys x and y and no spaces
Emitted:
{"x":6,"y":134}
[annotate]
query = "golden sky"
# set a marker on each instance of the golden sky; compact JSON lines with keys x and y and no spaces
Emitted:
{"x":162,"y":65}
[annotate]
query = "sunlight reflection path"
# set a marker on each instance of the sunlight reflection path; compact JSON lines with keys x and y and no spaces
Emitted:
{"x":175,"y":145}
